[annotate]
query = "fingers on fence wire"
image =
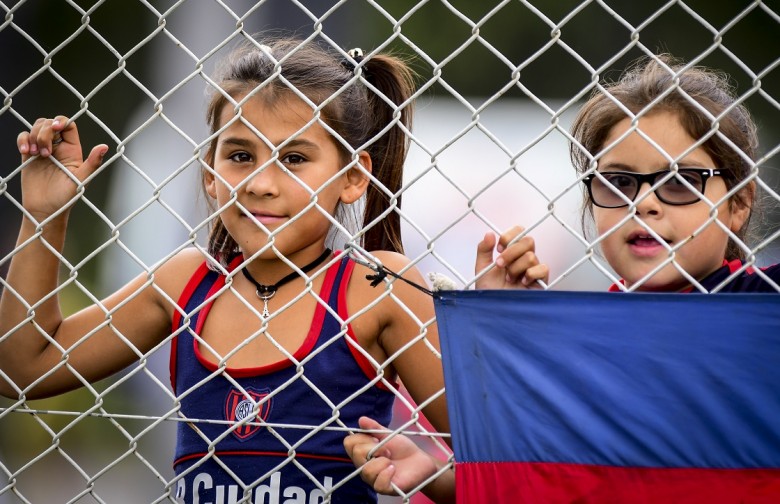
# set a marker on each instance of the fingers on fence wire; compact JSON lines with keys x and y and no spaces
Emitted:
{"x":389,"y":461}
{"x":515,"y":267}
{"x":54,"y":168}
{"x":59,"y":136}
{"x":43,"y":136}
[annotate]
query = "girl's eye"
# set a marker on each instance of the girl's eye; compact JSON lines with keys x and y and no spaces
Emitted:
{"x":240,"y":157}
{"x":619,"y":181}
{"x":293,"y":159}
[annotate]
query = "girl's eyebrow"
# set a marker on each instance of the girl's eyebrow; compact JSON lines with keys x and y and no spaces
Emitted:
{"x":246,"y":143}
{"x":683,"y":163}
{"x":302,"y":143}
{"x":235,"y":141}
{"x":615,"y":166}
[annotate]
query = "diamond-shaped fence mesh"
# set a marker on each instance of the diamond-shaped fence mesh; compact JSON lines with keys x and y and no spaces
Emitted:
{"x":498,"y":85}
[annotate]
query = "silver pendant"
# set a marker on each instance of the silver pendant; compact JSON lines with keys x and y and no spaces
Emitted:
{"x":265,"y":296}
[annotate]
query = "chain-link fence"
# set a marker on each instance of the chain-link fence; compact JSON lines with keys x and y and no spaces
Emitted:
{"x":499,"y":84}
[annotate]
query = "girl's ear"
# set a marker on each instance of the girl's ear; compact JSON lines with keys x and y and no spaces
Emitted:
{"x":741,"y":206}
{"x":210,"y":183}
{"x":356,"y":179}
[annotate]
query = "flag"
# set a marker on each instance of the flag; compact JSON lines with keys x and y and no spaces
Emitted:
{"x":563,"y":397}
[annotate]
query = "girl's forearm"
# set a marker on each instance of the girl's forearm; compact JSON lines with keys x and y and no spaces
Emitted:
{"x":32,"y":276}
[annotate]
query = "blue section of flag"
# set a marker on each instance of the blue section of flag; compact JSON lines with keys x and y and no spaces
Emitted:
{"x":643,"y":380}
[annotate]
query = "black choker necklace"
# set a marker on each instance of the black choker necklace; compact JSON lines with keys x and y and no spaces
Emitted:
{"x":266,"y":292}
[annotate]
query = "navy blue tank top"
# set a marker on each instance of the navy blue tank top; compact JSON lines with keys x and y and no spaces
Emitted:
{"x":273,"y":433}
{"x":746,"y":281}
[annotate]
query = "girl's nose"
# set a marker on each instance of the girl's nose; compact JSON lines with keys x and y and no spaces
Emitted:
{"x":263,"y":182}
{"x":647,"y":201}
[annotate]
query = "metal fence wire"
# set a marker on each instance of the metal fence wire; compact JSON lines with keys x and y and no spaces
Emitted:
{"x":498,"y":85}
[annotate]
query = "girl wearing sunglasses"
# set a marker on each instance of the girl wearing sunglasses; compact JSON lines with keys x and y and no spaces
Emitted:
{"x":666,"y":156}
{"x":670,"y":180}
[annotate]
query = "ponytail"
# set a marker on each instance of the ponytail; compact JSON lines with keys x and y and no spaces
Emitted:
{"x":395,"y":80}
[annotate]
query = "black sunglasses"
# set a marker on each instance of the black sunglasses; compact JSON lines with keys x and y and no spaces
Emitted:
{"x":616,"y":189}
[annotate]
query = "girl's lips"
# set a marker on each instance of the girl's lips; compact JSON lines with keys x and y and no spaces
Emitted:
{"x":644,"y":241}
{"x":267,"y":218}
{"x":642,"y":244}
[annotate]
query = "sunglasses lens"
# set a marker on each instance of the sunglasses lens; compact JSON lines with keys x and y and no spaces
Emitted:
{"x":607,"y":189}
{"x":674,"y":191}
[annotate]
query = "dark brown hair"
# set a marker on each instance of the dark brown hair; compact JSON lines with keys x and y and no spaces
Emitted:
{"x":376,"y":120}
{"x":703,"y":100}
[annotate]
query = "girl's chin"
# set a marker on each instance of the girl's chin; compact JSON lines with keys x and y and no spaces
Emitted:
{"x":665,"y":280}
{"x":659,"y":283}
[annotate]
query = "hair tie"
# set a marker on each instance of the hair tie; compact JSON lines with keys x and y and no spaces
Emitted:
{"x":355,"y":57}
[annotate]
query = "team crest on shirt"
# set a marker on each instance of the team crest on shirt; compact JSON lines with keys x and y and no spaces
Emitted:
{"x":240,"y":405}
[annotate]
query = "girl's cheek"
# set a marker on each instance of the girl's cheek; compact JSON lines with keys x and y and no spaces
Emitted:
{"x":606,"y":218}
{"x":600,"y":220}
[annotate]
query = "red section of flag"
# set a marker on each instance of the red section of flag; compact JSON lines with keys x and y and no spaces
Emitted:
{"x":550,"y":483}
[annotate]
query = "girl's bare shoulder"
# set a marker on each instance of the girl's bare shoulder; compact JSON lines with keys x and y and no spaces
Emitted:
{"x":400,"y":264}
{"x":173,"y":274}
{"x":392,"y":261}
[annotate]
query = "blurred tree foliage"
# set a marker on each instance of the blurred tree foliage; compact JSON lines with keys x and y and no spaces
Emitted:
{"x":547,"y":41}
